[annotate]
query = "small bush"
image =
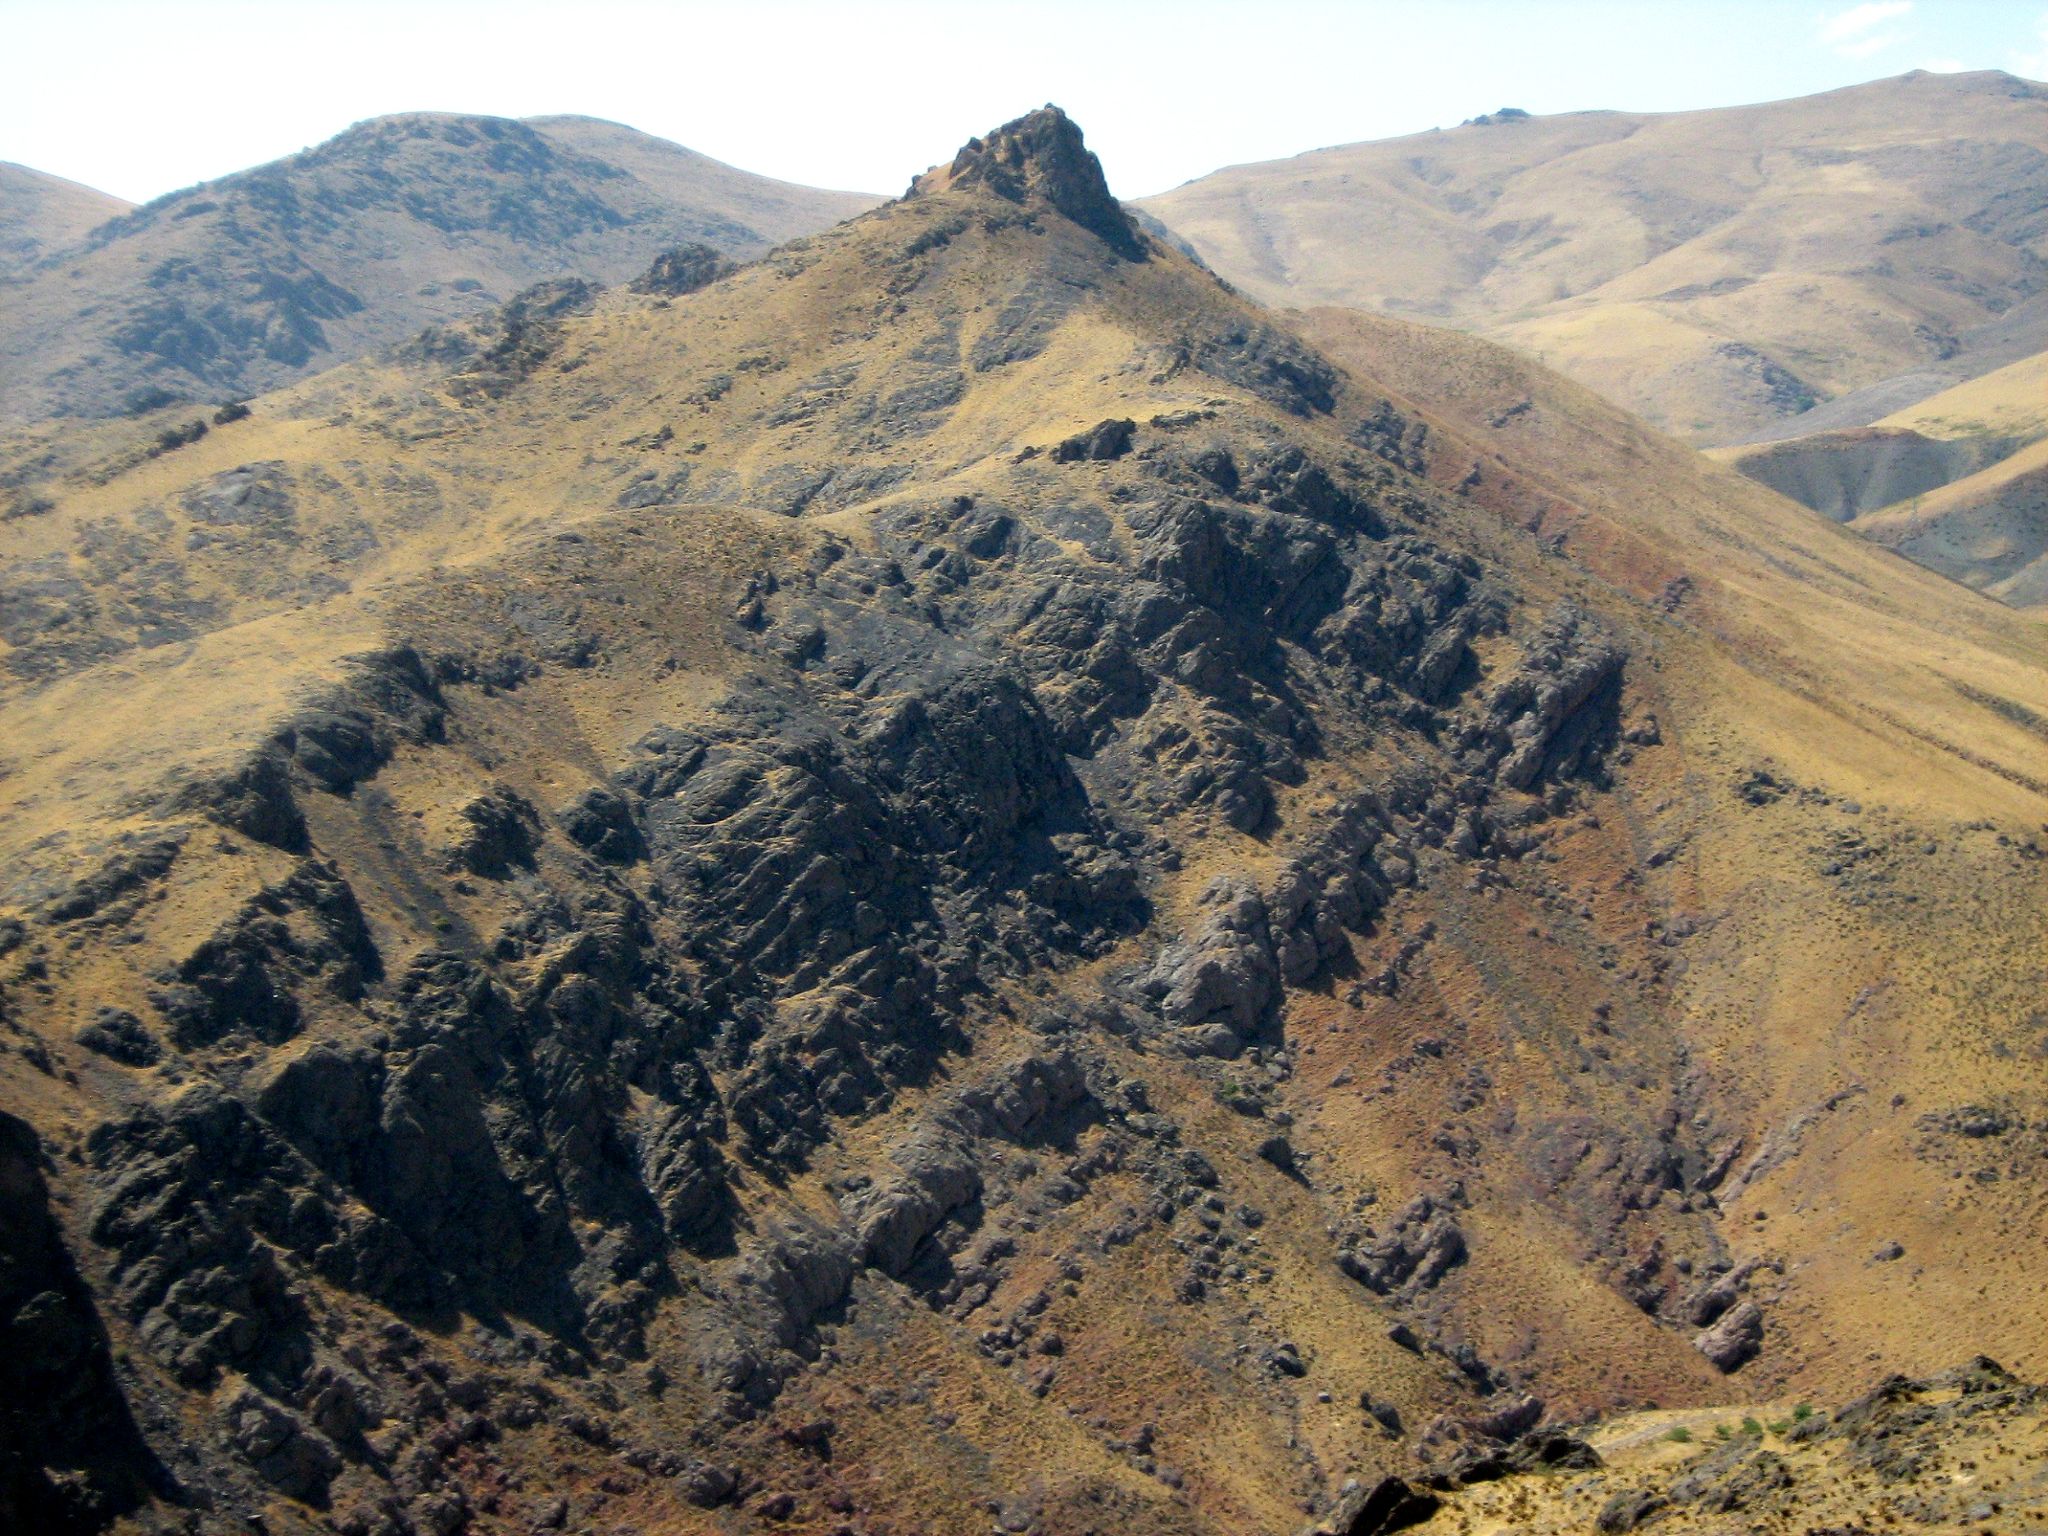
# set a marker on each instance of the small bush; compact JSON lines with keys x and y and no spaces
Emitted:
{"x":28,"y":504}
{"x":1678,"y":1434}
{"x":171,"y":439}
{"x":1802,"y":1413}
{"x":1751,"y":1428}
{"x":233,"y":411}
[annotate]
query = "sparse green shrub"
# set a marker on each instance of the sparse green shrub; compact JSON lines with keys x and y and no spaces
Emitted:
{"x":1752,"y":1428}
{"x":233,"y":411}
{"x":171,"y":439}
{"x":1678,"y":1434}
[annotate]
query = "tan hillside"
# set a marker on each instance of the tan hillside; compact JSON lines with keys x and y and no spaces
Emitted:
{"x":246,"y":283}
{"x":40,"y":213}
{"x":959,"y":882}
{"x":1957,"y":482}
{"x":2009,"y":402}
{"x":1722,"y":272}
{"x":1988,"y":530}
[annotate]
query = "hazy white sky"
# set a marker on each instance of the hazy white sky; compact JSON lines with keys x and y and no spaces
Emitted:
{"x":140,"y":97}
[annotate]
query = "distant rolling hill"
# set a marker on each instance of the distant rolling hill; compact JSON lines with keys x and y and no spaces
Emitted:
{"x":1958,"y":482}
{"x":1726,"y":274}
{"x":40,"y":212}
{"x":246,"y":283}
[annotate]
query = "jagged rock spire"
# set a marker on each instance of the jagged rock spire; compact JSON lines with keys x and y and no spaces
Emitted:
{"x":1041,"y":155}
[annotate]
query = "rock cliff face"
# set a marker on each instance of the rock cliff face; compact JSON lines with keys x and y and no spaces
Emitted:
{"x":877,"y":897}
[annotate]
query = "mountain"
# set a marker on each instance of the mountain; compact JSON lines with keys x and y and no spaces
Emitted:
{"x":39,"y":213}
{"x":1958,"y":481}
{"x":247,"y":283}
{"x":959,"y":881}
{"x":1730,"y":275}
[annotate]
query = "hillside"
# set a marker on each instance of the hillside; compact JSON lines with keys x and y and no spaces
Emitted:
{"x":244,"y":284}
{"x":40,"y":213}
{"x":1722,"y":273}
{"x":960,"y":881}
{"x":1957,"y":482}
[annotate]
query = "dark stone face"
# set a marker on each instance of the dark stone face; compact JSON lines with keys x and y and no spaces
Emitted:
{"x":1042,"y":155}
{"x":71,"y":1459}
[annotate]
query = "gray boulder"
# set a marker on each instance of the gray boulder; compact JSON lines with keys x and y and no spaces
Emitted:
{"x":1735,"y":1340}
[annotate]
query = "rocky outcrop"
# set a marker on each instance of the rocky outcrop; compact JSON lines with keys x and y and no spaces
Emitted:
{"x":683,"y":270}
{"x":1041,"y":156}
{"x":71,"y":1459}
{"x":244,"y":979}
{"x":1557,"y":711}
{"x":1735,"y":1339}
{"x":500,"y":833}
{"x":603,"y":822}
{"x":391,"y":700}
{"x":1419,"y":1247}
{"x":1391,"y":1504}
{"x":1106,"y":440}
{"x":520,"y":338}
{"x":1535,"y":1451}
{"x":1898,"y":1428}
{"x":1217,"y":988}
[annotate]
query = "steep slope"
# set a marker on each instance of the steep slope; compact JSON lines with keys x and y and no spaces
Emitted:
{"x":1721,"y":272}
{"x":40,"y":212}
{"x":1958,"y":482}
{"x":245,"y":283}
{"x":957,"y":881}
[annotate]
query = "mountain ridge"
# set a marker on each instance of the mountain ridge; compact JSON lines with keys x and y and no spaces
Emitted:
{"x":1562,"y":235}
{"x":246,"y":282}
{"x":957,"y":878}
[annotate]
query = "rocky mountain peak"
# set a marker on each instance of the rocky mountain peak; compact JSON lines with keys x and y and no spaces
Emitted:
{"x":1041,"y":154}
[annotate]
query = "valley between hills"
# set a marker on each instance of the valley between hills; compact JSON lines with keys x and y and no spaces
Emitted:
{"x":929,"y":872}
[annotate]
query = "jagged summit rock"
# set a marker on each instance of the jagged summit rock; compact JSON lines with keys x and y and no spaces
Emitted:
{"x":1041,"y":154}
